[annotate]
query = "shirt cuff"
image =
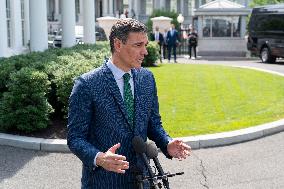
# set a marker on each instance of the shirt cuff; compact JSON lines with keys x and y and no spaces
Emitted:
{"x":95,"y":160}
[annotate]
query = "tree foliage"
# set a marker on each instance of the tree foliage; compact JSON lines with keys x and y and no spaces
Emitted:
{"x":255,"y":3}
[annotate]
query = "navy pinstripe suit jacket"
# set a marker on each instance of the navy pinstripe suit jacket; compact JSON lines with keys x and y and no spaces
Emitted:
{"x":97,"y":120}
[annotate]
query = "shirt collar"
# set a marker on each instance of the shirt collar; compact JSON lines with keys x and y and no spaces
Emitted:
{"x":117,"y":72}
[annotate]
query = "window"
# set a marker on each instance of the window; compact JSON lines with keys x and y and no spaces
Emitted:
{"x":8,"y":14}
{"x":221,"y":26}
{"x":149,"y":7}
{"x":23,"y":21}
{"x":77,"y":9}
{"x":206,"y":26}
{"x":173,"y":5}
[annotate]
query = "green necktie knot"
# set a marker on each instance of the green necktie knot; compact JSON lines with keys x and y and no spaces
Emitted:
{"x":126,"y":78}
{"x":128,"y":98}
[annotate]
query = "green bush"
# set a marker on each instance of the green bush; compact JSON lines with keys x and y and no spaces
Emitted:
{"x":34,"y":85}
{"x":75,"y":66}
{"x":24,"y":105}
{"x":153,"y":54}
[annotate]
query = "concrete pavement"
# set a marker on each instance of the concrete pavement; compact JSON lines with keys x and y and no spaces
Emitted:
{"x":196,"y":142}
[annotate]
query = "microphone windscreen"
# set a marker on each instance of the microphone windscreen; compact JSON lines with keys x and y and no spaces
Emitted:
{"x":152,"y":150}
{"x":139,"y":145}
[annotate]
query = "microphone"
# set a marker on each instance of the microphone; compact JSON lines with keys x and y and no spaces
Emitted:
{"x":152,"y":153}
{"x":140,"y":147}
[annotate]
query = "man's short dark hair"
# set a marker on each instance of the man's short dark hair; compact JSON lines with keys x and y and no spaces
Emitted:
{"x":122,"y":28}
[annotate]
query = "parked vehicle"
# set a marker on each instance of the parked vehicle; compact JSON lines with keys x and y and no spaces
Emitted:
{"x":55,"y":40}
{"x":266,"y":32}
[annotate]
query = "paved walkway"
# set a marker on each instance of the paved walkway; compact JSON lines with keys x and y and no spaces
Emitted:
{"x":195,"y":142}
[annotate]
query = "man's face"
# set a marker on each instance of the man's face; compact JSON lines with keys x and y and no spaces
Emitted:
{"x":131,"y":54}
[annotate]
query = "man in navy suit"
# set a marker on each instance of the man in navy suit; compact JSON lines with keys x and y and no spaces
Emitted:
{"x":110,"y":105}
{"x":159,"y":38}
{"x":172,"y":40}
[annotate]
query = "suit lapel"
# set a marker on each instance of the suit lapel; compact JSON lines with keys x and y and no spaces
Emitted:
{"x":137,"y":92}
{"x":114,"y":90}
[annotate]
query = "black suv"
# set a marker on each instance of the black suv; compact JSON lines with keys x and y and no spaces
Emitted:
{"x":266,"y":32}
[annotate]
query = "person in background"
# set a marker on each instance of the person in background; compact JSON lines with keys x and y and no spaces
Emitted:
{"x":112,"y":104}
{"x":172,"y":41}
{"x":165,"y":45}
{"x":192,"y":43}
{"x":159,"y":38}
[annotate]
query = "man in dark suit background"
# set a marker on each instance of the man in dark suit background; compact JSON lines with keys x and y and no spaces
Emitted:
{"x":159,"y":38}
{"x":172,"y":40}
{"x":110,"y":105}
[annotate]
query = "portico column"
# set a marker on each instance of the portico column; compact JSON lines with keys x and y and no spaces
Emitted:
{"x":143,"y":7}
{"x":68,"y":23}
{"x":3,"y":29}
{"x":130,"y":7}
{"x":136,"y":8}
{"x":16,"y":25}
{"x":38,"y":25}
{"x":156,"y":4}
{"x":27,"y":21}
{"x":111,"y":7}
{"x":179,"y":10}
{"x":243,"y":26}
{"x":162,"y":4}
{"x":168,"y":5}
{"x":89,"y":21}
{"x":105,"y":8}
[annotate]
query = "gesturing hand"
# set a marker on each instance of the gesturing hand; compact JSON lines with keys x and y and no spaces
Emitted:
{"x":178,"y":149}
{"x":111,"y":161}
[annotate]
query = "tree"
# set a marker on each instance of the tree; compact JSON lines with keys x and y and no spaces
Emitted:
{"x":255,"y":3}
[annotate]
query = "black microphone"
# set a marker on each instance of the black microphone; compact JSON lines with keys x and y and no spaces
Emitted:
{"x":140,"y":147}
{"x":152,"y":153}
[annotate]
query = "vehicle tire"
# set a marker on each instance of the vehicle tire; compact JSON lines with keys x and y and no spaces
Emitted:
{"x":266,"y":56}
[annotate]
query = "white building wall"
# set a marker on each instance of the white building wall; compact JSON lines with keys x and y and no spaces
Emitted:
{"x":3,"y":29}
{"x":222,"y":47}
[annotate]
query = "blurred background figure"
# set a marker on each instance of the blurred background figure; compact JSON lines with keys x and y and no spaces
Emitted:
{"x":159,"y":38}
{"x":192,"y":42}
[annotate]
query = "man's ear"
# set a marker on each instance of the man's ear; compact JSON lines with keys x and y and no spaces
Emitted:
{"x":117,"y":44}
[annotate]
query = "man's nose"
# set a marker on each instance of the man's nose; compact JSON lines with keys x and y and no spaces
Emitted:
{"x":145,"y":52}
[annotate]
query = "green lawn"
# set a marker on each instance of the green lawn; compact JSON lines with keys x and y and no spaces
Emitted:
{"x":202,"y":99}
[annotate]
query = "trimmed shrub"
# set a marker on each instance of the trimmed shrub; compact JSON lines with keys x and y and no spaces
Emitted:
{"x":153,"y":55}
{"x":24,"y":105}
{"x":34,"y":85}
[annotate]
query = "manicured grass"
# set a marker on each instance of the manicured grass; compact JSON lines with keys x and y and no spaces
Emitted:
{"x":203,"y":99}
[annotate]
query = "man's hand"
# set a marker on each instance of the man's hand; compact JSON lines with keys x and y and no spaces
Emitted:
{"x":178,"y":149}
{"x":111,"y":161}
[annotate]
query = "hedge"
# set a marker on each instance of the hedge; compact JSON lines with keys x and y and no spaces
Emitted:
{"x":36,"y":85}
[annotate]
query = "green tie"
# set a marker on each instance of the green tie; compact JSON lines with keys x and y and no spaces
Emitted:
{"x":128,"y":98}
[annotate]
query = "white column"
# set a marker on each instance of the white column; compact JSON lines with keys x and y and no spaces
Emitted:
{"x":27,"y":21}
{"x":16,"y":25}
{"x":130,"y":7}
{"x":243,"y":26}
{"x":111,"y":8}
{"x":105,"y":7}
{"x":38,"y":25}
{"x":89,"y":21}
{"x":136,"y":8}
{"x":3,"y":29}
{"x":68,"y":23}
{"x":57,"y":13}
{"x":56,"y":6}
{"x":156,"y":4}
{"x":199,"y":23}
{"x":162,"y":4}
